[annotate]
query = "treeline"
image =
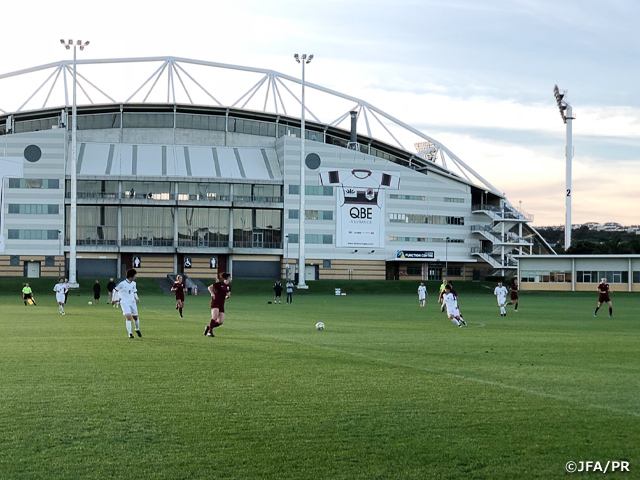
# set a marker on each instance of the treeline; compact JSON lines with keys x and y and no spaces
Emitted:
{"x":588,"y":242}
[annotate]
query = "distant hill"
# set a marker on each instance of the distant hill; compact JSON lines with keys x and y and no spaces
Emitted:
{"x":585,"y":241}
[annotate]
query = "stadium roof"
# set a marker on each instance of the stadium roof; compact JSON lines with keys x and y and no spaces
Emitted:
{"x":175,"y":80}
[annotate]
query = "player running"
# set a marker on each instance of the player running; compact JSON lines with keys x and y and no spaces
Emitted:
{"x":513,"y":288}
{"x":220,"y":291}
{"x":61,"y":290}
{"x":603,"y":297}
{"x":179,"y":290}
{"x":128,"y":294}
{"x":450,"y":301}
{"x":501,"y":294}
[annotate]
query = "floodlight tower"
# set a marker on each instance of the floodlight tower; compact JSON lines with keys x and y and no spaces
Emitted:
{"x":567,"y":116}
{"x":73,"y":217}
{"x":302,"y":59}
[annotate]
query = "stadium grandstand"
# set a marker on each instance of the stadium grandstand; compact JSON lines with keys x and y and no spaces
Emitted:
{"x":194,"y":167}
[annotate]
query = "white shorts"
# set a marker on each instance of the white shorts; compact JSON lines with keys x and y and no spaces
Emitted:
{"x":60,"y":297}
{"x":502,"y":300}
{"x":455,"y":312}
{"x":129,"y":308}
{"x":422,"y":298}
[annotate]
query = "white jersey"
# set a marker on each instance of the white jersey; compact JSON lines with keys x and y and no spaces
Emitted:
{"x":501,"y":293}
{"x":60,"y":290}
{"x":422,"y":292}
{"x":127,"y":292}
{"x":451,"y":302}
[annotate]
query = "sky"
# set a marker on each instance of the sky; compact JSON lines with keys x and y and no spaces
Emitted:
{"x":476,"y":76}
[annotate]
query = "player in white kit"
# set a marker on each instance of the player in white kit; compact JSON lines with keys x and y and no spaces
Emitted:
{"x":128,"y":295}
{"x":451,"y":303}
{"x":501,"y":294}
{"x":60,"y":289}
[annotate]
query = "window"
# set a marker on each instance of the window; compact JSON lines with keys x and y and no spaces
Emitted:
{"x":454,"y":200}
{"x":318,"y":215}
{"x":318,"y":239}
{"x":454,"y":271}
{"x":544,"y":276}
{"x":414,"y":269}
{"x":46,"y":183}
{"x":14,"y":260}
{"x":15,"y":234}
{"x":326,"y":264}
{"x":318,"y":190}
{"x":431,"y":219}
{"x":395,"y":196}
{"x":294,"y":214}
{"x":294,"y":238}
{"x":294,"y":189}
{"x":33,"y":209}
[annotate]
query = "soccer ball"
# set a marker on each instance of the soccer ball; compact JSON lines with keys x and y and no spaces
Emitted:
{"x":319,"y":326}
{"x":90,"y":303}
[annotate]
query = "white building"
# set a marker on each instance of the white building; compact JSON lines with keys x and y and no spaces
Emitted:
{"x":174,"y":185}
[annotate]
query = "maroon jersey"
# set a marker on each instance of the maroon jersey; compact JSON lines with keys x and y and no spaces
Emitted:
{"x":603,"y":292}
{"x":178,"y":289}
{"x":514,"y":290}
{"x":220,"y":292}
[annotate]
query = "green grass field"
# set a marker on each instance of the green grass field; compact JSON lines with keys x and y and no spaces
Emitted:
{"x":387,"y":391}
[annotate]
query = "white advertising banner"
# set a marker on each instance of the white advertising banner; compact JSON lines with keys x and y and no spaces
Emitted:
{"x":360,"y":213}
{"x":9,"y":167}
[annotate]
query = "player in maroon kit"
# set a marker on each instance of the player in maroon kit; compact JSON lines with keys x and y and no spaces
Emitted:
{"x":178,"y":289}
{"x":603,"y":297}
{"x":220,"y":291}
{"x":513,"y":288}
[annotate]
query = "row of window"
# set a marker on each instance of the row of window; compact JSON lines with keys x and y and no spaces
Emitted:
{"x":582,"y":276}
{"x":44,"y":183}
{"x":33,"y":209}
{"x":15,"y":234}
{"x":425,"y":240}
{"x":431,"y":219}
{"x":312,"y":214}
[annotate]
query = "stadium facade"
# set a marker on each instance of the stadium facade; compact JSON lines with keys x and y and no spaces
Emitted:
{"x":179,"y":185}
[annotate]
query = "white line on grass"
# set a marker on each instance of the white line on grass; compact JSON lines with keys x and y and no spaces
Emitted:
{"x":454,"y":375}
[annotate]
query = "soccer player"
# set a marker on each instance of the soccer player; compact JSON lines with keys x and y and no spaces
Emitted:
{"x":603,"y":296}
{"x":61,"y":290}
{"x":289,"y":287}
{"x":67,"y":286}
{"x":27,"y":294}
{"x":128,"y":294}
{"x":277,"y":292}
{"x":96,"y":291}
{"x":422,"y":294}
{"x":451,"y":303}
{"x":441,"y":293}
{"x":220,"y":291}
{"x":110,"y":286}
{"x":179,"y":289}
{"x":513,"y":288}
{"x":501,"y":294}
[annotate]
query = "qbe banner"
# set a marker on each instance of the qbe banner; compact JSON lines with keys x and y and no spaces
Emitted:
{"x":360,"y":212}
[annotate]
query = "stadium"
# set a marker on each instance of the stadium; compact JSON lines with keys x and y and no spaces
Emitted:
{"x":187,"y":166}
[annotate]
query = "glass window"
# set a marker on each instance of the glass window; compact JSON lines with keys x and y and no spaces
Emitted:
{"x":294,"y":214}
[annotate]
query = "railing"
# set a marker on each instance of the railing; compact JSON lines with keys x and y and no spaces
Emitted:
{"x":203,"y":243}
{"x":507,"y":213}
{"x":256,"y":244}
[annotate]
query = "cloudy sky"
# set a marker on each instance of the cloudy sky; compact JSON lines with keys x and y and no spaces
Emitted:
{"x":476,"y":76}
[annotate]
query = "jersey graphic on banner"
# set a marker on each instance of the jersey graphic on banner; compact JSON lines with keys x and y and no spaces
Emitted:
{"x":361,"y":205}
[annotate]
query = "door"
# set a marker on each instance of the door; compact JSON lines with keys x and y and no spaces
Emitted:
{"x":257,"y":240}
{"x":310,"y":272}
{"x":33,"y":269}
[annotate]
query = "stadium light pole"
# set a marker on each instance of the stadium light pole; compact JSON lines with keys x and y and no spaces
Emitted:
{"x":73,"y":220}
{"x":567,"y":116}
{"x":303,"y":60}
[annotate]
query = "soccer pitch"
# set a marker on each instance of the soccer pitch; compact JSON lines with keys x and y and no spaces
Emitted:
{"x":388,"y":390}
